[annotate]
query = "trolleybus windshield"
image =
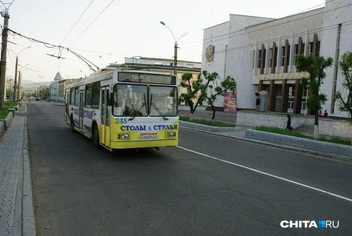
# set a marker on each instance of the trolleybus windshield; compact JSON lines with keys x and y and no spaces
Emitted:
{"x":140,"y":100}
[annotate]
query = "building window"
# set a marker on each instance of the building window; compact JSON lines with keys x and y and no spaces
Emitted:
{"x":259,"y":58}
{"x":283,"y":56}
{"x":271,"y":57}
{"x":264,"y":57}
{"x":311,"y":48}
{"x":253,"y":60}
{"x":288,"y":55}
{"x":303,"y":48}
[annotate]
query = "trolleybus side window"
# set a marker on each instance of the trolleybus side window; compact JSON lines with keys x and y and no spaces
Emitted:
{"x":88,"y":99}
{"x":95,"y":94}
{"x":72,"y":96}
{"x":130,"y":100}
{"x":76,"y":102}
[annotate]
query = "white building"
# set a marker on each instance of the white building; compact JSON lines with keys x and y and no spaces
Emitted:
{"x":259,"y":53}
{"x":54,"y":87}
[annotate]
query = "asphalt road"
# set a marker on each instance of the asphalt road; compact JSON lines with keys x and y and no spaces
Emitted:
{"x":209,"y":185}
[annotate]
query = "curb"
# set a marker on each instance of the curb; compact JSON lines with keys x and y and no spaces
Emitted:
{"x":4,"y":123}
{"x":28,"y":220}
{"x":208,"y":128}
{"x":322,"y":148}
{"x":280,"y":141}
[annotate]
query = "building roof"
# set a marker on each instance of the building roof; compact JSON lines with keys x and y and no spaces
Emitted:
{"x":57,"y":77}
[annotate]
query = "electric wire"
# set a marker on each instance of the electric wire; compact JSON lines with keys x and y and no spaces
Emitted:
{"x":77,"y":21}
{"x":49,"y":45}
{"x":92,"y":21}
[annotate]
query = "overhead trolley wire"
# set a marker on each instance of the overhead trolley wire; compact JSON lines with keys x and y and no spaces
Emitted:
{"x":49,"y":45}
{"x":92,"y":21}
{"x":77,"y":21}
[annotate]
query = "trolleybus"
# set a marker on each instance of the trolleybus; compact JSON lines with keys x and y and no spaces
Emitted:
{"x":120,"y":109}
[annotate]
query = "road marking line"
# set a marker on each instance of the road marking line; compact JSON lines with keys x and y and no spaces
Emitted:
{"x":270,"y":175}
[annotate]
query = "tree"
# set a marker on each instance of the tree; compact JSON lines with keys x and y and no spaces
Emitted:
{"x":227,"y":85}
{"x":315,"y":66}
{"x":197,"y":90}
{"x":44,"y":93}
{"x":9,"y":93}
{"x":345,"y":103}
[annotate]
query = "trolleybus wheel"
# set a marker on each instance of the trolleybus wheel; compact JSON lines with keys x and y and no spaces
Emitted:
{"x":96,"y":140}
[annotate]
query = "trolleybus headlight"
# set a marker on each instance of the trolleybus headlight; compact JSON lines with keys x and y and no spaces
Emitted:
{"x":124,"y":136}
{"x":170,"y":134}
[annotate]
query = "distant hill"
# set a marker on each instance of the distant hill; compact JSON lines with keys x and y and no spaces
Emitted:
{"x":31,"y":86}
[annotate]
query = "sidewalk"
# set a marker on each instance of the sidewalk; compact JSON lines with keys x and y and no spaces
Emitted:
{"x":16,"y":204}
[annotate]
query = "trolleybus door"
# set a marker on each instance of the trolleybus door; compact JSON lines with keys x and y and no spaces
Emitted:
{"x":80,"y":110}
{"x":105,"y":116}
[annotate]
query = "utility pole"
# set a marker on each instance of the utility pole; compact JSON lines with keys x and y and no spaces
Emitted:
{"x":19,"y":94}
{"x":15,"y":83}
{"x":3,"y":58}
{"x":175,"y":59}
{"x":15,"y":86}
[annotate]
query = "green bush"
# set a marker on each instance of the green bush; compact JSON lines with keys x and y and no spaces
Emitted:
{"x":5,"y":111}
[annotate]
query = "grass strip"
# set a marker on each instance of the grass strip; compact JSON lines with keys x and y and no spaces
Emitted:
{"x":207,"y":122}
{"x":5,"y":110}
{"x":276,"y":130}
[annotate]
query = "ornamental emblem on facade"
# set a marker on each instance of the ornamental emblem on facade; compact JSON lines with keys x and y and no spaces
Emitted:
{"x":209,"y":53}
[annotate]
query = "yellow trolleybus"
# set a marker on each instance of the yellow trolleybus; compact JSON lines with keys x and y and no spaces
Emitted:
{"x":120,"y":109}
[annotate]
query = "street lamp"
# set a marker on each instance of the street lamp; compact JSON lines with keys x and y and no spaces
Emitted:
{"x":15,"y":84}
{"x":19,"y":96}
{"x":175,"y":46}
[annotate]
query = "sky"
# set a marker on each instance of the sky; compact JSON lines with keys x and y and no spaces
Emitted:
{"x":107,"y":31}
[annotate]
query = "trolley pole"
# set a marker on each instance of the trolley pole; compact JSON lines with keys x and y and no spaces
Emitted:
{"x":3,"y":59}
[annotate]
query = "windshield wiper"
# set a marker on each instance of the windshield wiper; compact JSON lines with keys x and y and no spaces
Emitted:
{"x":157,"y":108}
{"x":138,"y":111}
{"x":159,"y":111}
